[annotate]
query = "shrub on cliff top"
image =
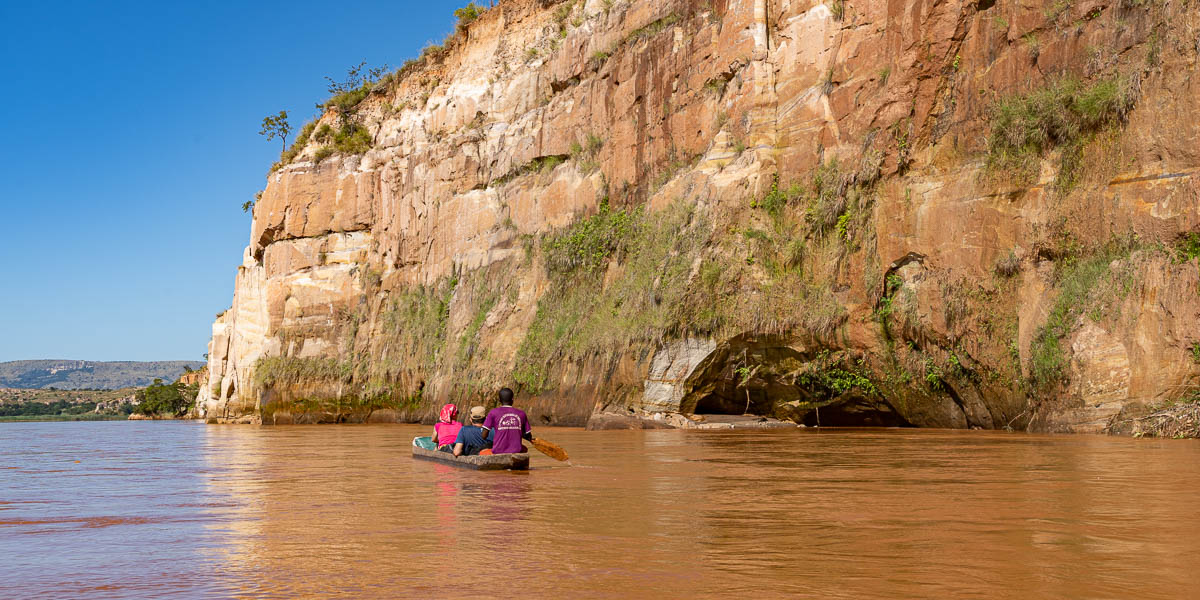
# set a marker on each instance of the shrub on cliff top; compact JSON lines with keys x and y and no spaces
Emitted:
{"x":347,"y":101}
{"x":348,"y":93}
{"x":468,"y":14}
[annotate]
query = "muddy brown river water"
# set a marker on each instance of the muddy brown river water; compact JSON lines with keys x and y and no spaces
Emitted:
{"x":184,"y":510}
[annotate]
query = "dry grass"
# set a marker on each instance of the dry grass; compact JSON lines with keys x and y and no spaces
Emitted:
{"x":1177,"y":420}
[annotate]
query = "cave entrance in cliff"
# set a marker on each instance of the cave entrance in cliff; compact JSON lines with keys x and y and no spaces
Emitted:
{"x":772,"y":377}
{"x":731,"y":401}
{"x":854,"y":411}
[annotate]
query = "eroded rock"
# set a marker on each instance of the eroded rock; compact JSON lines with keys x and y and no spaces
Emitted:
{"x":917,"y":292}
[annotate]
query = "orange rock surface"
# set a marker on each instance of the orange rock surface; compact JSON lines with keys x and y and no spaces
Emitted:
{"x":480,"y":154}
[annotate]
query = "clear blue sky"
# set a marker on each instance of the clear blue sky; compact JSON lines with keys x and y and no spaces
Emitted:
{"x":130,"y":142}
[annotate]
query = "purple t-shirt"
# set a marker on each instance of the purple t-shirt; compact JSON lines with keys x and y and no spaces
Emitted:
{"x":507,"y":425}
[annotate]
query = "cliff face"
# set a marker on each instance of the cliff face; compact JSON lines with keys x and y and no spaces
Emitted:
{"x":896,"y":212}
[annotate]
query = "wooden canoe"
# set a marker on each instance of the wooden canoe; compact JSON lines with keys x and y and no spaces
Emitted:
{"x":493,"y":462}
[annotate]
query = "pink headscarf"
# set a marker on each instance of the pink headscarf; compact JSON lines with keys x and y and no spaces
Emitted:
{"x":449,"y":412}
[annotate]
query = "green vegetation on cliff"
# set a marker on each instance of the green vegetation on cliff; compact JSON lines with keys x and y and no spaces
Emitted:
{"x":350,"y":138}
{"x":381,"y":368}
{"x":468,"y":14}
{"x":1062,"y":115}
{"x":620,"y":277}
{"x":933,"y":312}
{"x":581,"y":316}
{"x":1085,"y":281}
{"x":278,"y":371}
{"x":1187,"y":247}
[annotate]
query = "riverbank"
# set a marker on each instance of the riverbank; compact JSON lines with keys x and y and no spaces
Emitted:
{"x":1173,"y":420}
{"x":158,"y":417}
{"x":607,"y":421}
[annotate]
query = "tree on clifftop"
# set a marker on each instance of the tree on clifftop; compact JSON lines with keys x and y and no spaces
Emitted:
{"x":276,"y":126}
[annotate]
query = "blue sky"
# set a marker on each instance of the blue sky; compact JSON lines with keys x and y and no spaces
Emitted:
{"x":130,"y":142}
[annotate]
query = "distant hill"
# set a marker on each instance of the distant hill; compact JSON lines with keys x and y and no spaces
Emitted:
{"x":80,"y":374}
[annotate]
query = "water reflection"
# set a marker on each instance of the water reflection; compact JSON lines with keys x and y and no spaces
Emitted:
{"x":178,"y":509}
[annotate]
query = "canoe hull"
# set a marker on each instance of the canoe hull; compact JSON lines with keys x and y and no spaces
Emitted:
{"x":494,"y":462}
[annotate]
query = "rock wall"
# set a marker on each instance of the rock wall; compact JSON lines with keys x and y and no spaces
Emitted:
{"x":784,"y":207}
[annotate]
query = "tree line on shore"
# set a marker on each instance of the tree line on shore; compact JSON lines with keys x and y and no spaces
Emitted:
{"x":157,"y":399}
{"x":57,"y":407}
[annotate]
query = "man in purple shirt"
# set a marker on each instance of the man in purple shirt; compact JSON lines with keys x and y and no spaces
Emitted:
{"x":506,"y":425}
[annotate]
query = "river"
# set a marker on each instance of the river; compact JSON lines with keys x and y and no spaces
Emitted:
{"x":180,"y":509}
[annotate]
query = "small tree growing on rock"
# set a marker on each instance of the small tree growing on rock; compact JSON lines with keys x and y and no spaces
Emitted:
{"x":276,"y":126}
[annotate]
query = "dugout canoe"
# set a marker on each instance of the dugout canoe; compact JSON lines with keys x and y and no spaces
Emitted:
{"x":494,"y":462}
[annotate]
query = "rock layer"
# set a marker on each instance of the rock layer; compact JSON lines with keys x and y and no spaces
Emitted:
{"x":801,"y":199}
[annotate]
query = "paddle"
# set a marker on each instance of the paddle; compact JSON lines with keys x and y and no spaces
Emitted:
{"x":549,"y":449}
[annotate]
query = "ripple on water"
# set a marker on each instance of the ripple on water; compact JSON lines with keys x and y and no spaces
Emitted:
{"x":183,"y":510}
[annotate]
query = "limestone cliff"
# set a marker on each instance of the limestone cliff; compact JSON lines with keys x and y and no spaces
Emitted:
{"x":950,"y":214}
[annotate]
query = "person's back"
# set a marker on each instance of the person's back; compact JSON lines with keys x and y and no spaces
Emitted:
{"x":445,"y":431}
{"x":505,"y":426}
{"x":470,"y":440}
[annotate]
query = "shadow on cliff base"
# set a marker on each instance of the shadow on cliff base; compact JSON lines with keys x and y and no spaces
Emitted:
{"x":771,"y":377}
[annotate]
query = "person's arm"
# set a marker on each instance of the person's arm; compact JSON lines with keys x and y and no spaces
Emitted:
{"x":528,"y":429}
{"x":488,"y":423}
{"x":436,"y":441}
{"x":459,"y":441}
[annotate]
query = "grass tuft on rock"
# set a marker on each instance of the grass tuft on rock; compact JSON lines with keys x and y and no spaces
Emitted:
{"x":1082,"y":281}
{"x":1062,"y":115}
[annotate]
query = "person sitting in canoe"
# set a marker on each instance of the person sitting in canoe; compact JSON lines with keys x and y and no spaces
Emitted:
{"x":505,"y":426}
{"x":445,"y":431}
{"x":470,"y":440}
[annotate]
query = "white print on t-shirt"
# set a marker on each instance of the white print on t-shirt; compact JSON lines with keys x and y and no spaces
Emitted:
{"x":509,"y":422}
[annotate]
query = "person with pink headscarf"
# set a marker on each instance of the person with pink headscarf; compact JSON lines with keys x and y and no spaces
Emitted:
{"x":445,"y":431}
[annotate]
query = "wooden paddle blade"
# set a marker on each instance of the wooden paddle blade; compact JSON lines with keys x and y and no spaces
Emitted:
{"x":549,"y":449}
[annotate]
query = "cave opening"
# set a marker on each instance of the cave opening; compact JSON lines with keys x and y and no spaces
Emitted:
{"x":752,"y":402}
{"x":762,"y":377}
{"x":854,"y":412}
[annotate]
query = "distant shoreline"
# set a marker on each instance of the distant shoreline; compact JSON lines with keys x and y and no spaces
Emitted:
{"x":85,"y":417}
